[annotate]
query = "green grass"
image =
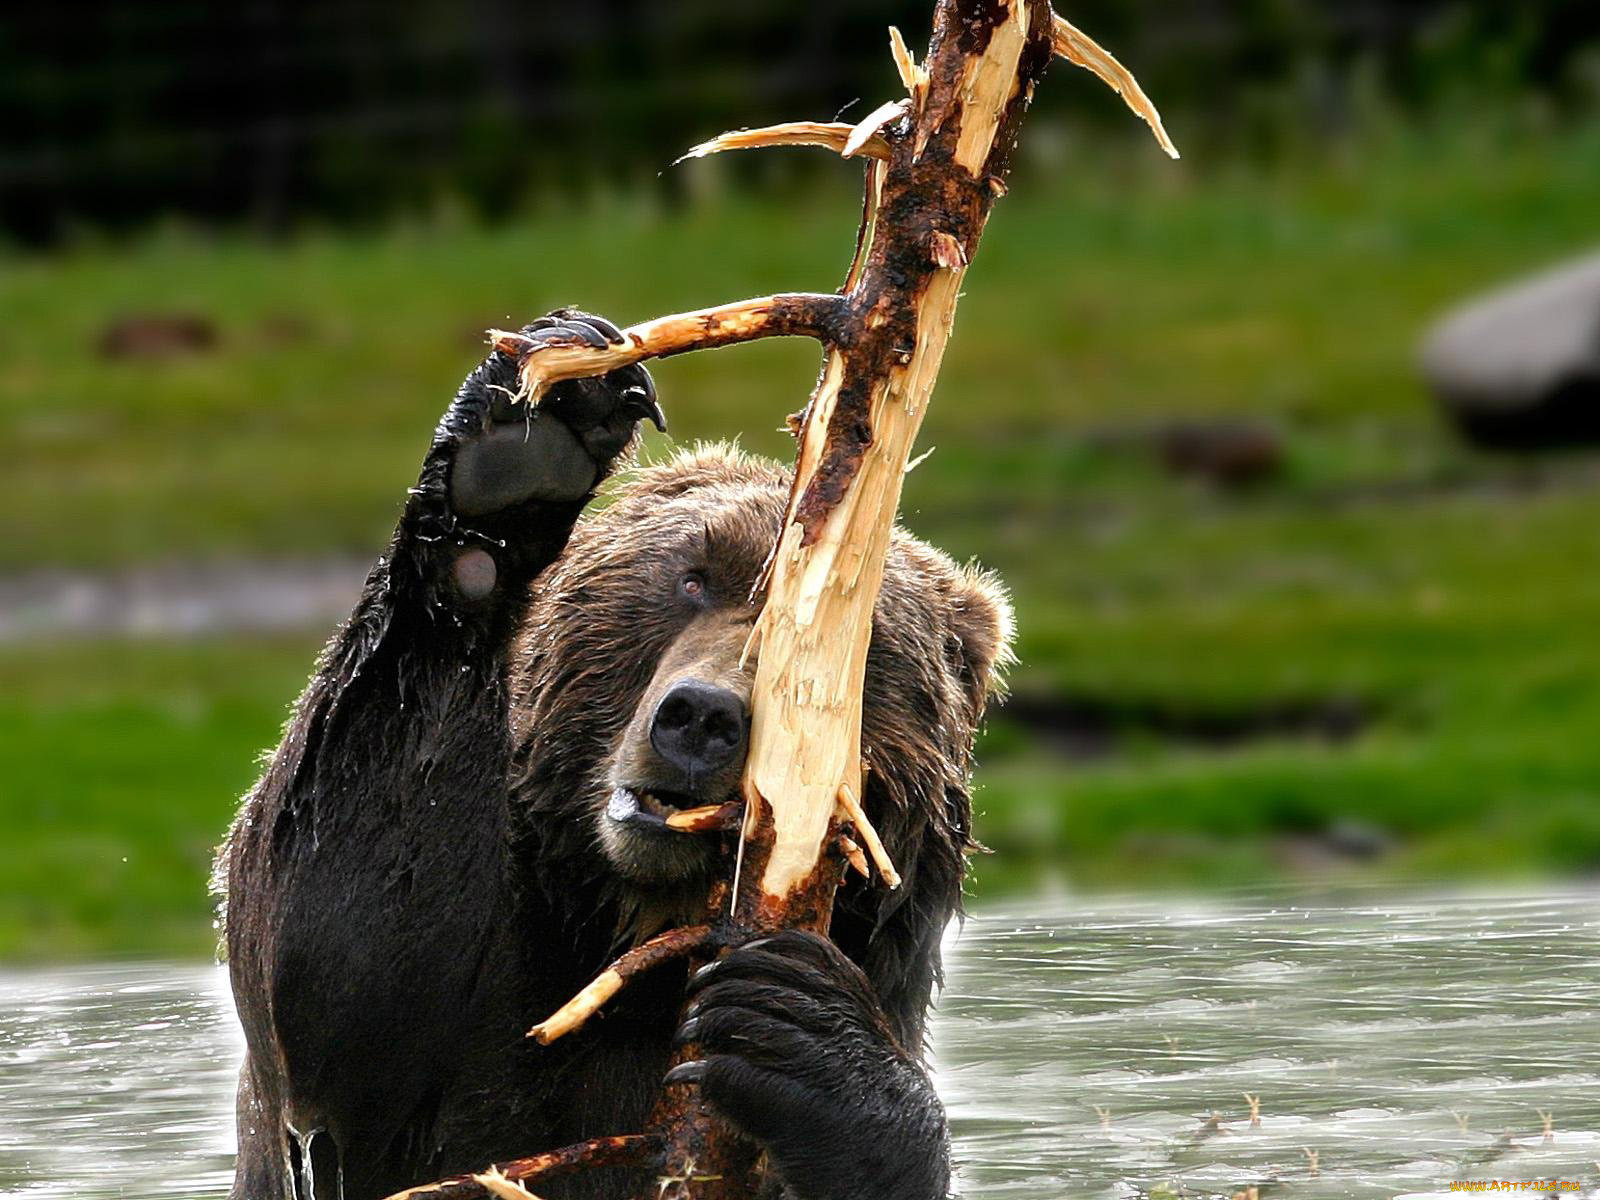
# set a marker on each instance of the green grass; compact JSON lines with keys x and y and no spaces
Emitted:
{"x":1449,"y":594}
{"x":1150,"y":293}
{"x":1463,"y":624}
{"x":123,"y":763}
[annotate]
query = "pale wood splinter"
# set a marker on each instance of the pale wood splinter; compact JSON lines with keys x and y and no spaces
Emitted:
{"x":497,"y":1184}
{"x":624,"y":1150}
{"x":795,"y":314}
{"x":830,"y":135}
{"x":675,"y":943}
{"x":869,"y":835}
{"x":852,"y":854}
{"x":708,"y":818}
{"x":1078,"y":48}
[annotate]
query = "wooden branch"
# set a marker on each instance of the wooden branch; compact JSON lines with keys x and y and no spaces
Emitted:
{"x":709,"y":818}
{"x":831,"y":135}
{"x":853,"y":855}
{"x":675,"y":943}
{"x":1078,"y":48}
{"x":936,"y":163}
{"x":627,"y":1150}
{"x":502,"y":1186}
{"x":797,"y":314}
{"x":913,"y":76}
{"x":814,"y":629}
{"x":858,"y":817}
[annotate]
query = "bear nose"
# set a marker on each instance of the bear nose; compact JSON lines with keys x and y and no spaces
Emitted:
{"x":699,"y":727}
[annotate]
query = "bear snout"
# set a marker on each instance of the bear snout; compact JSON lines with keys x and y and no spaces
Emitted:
{"x":683,"y":748}
{"x":699,"y":727}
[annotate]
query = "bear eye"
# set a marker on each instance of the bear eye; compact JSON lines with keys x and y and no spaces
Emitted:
{"x":692,"y":586}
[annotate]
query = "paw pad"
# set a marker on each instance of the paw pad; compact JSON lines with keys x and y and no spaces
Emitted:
{"x":475,"y":573}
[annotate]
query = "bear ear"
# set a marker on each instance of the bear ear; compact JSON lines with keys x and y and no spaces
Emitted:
{"x":981,"y":630}
{"x":701,"y":465}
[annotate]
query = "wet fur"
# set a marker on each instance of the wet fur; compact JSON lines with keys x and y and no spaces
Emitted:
{"x":417,"y":877}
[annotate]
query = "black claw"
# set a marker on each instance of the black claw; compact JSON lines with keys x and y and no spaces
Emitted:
{"x":692,"y":1071}
{"x":639,"y":400}
{"x":687,"y":1032}
{"x":568,"y":333}
{"x":702,"y":974}
{"x":603,"y":325}
{"x":509,"y":452}
{"x":591,"y":336}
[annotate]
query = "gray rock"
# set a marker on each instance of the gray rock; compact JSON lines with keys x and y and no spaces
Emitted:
{"x":1519,"y":368}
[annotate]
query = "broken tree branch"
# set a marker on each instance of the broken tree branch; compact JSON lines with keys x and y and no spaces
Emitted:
{"x":831,"y":135}
{"x":814,"y":629}
{"x":502,"y":1186}
{"x":858,"y":817}
{"x":675,"y":943}
{"x":936,"y":163}
{"x":626,"y":1150}
{"x":798,"y":314}
{"x":709,"y":818}
{"x":1078,"y":48}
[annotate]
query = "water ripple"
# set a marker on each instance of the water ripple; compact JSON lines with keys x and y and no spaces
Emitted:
{"x":1102,"y":1049}
{"x":1391,"y":1048}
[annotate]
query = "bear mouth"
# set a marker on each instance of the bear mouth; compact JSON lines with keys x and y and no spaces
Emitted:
{"x":669,"y":811}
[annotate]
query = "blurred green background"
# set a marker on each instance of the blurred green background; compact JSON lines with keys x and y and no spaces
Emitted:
{"x":1278,"y":621}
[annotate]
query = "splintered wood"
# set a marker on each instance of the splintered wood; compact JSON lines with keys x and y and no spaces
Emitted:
{"x":628,"y":1150}
{"x":935,"y":163}
{"x":497,"y":1184}
{"x":675,"y":943}
{"x":880,"y":856}
{"x":793,"y":315}
{"x":1078,"y":48}
{"x":842,"y":138}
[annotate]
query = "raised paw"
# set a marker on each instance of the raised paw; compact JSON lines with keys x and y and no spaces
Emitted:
{"x":793,"y":1049}
{"x":507,"y":453}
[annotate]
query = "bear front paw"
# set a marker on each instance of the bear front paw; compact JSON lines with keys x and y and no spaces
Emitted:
{"x":795,"y":1052}
{"x":506,"y":453}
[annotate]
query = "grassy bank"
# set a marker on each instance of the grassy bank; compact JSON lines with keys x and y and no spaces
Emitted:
{"x":123,"y":763}
{"x":1442,"y":599}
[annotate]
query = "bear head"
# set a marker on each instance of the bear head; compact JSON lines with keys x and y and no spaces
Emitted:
{"x":631,"y":686}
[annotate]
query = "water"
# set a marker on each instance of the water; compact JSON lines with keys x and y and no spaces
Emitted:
{"x":1085,"y":1048}
{"x":1392,"y":1048}
{"x":117,"y":1081}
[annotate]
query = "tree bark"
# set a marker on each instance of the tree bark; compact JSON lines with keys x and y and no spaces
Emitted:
{"x":949,"y":149}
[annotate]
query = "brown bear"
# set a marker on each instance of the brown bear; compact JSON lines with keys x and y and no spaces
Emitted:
{"x":464,"y":823}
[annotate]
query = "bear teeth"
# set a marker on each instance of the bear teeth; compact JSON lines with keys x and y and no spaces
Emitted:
{"x":651,"y":803}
